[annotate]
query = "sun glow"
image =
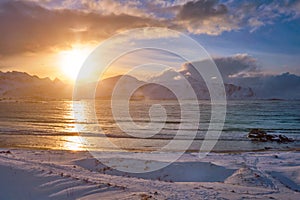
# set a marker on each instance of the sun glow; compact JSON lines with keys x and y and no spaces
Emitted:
{"x":72,"y":60}
{"x":73,"y":143}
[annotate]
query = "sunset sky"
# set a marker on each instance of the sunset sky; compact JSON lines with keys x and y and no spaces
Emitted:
{"x":51,"y":38}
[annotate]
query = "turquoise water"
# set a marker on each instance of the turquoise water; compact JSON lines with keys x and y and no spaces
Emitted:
{"x":51,"y":125}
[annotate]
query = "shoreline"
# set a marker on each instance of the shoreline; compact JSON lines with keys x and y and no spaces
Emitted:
{"x":296,"y":149}
{"x":137,"y":145}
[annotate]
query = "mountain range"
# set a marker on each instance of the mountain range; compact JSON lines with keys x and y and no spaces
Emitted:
{"x":21,"y":85}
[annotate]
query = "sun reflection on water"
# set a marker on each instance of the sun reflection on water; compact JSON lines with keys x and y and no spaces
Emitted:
{"x":82,"y":123}
{"x":73,"y":143}
{"x":77,"y":125}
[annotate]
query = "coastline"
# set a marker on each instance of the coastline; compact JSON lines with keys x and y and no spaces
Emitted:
{"x":53,"y":174}
{"x":74,"y":142}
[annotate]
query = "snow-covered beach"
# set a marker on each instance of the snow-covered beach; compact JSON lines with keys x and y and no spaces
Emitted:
{"x":142,"y":100}
{"x":42,"y":154}
{"x":48,"y":174}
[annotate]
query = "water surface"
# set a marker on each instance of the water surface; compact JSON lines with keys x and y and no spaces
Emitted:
{"x":51,"y":125}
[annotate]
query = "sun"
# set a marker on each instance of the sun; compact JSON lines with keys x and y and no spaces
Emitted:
{"x":72,"y":60}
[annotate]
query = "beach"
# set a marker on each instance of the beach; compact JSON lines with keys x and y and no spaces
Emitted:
{"x":149,"y":100}
{"x":49,"y":174}
{"x":45,"y":153}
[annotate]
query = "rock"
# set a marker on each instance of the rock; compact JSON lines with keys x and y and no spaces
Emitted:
{"x":283,"y":138}
{"x":271,"y":137}
{"x":262,"y":136}
{"x":6,"y":152}
{"x":257,"y":133}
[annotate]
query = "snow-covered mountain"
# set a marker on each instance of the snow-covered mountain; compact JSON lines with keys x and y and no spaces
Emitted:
{"x":158,"y":91}
{"x":20,"y":85}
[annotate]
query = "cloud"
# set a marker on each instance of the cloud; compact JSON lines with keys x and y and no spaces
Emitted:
{"x":231,"y":69}
{"x":108,"y":7}
{"x":255,"y":14}
{"x":239,"y":65}
{"x":243,"y":70}
{"x":167,"y":75}
{"x":39,"y":25}
{"x":285,"y":86}
{"x":208,"y":17}
{"x":30,"y":27}
{"x":215,"y":17}
{"x":201,"y":10}
{"x":281,"y":86}
{"x":240,"y":70}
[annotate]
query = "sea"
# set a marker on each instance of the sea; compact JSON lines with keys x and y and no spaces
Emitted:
{"x":91,"y":125}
